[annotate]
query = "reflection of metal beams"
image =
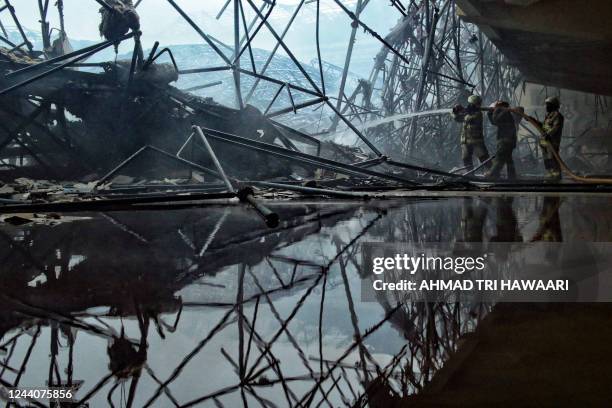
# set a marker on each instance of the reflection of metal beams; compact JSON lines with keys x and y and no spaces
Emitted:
{"x":28,"y":353}
{"x":309,"y":396}
{"x":435,"y":338}
{"x":176,"y":372}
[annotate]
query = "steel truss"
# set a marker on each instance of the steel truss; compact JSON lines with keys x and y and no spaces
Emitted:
{"x":430,"y":60}
{"x":351,"y":376}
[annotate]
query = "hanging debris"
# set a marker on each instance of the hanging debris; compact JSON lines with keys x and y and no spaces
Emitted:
{"x":118,"y":18}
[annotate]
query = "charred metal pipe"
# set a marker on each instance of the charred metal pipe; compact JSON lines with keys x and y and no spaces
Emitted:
{"x":279,"y":82}
{"x":64,"y":65}
{"x":202,"y":70}
{"x":214,"y":158}
{"x":204,"y":86}
{"x":149,"y":60}
{"x":304,"y":138}
{"x":247,"y":195}
{"x":9,"y":201}
{"x":19,"y":27}
{"x":311,"y":190}
{"x":159,"y":54}
{"x":133,"y":63}
{"x":427,"y":170}
{"x":160,"y":151}
{"x":309,"y":159}
{"x":294,"y":108}
{"x":119,"y":167}
{"x":57,"y":59}
{"x":371,"y":163}
{"x":274,"y":99}
{"x":112,"y":203}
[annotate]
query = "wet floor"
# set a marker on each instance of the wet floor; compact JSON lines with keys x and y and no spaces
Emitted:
{"x":208,"y":307}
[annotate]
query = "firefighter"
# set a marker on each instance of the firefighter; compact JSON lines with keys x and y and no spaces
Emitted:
{"x":472,"y":136}
{"x":500,"y":116}
{"x":553,"y":129}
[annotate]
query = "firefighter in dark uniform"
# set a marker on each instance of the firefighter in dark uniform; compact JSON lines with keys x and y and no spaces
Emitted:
{"x":472,"y":136}
{"x":500,"y":116}
{"x":473,"y":218}
{"x":553,"y":129}
{"x":549,"y":229}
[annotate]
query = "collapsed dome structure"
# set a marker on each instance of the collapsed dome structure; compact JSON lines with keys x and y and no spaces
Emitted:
{"x":183,"y":219}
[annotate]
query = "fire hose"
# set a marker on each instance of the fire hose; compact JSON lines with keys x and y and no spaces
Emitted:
{"x":546,"y":144}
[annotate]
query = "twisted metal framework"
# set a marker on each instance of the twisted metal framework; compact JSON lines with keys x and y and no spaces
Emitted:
{"x":262,"y":306}
{"x":430,"y":60}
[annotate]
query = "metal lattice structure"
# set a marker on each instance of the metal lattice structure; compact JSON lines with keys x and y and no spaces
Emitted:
{"x":246,"y":304}
{"x":429,"y":62}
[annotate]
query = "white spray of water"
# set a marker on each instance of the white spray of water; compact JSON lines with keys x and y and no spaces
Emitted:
{"x":393,"y":118}
{"x":347,"y":136}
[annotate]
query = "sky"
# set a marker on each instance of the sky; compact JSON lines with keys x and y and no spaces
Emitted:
{"x":160,"y":22}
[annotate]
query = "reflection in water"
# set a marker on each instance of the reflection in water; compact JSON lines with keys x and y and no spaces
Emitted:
{"x":550,"y":223}
{"x":206,"y":307}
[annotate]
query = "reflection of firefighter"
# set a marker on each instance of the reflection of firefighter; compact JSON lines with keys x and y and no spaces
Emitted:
{"x":550,"y":223}
{"x":472,"y":134}
{"x":473,"y":217}
{"x":507,"y":225}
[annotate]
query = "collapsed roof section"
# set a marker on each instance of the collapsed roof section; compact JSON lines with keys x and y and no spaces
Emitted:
{"x":71,"y":121}
{"x":67,"y":118}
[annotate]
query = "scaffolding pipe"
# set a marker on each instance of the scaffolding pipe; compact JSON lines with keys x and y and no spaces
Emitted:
{"x":214,"y":158}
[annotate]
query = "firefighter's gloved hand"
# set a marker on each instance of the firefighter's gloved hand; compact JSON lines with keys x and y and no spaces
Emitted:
{"x":457,"y":109}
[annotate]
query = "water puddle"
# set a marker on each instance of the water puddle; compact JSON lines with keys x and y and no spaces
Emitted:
{"x":208,"y":307}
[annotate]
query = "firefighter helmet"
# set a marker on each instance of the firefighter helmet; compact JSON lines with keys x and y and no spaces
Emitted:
{"x":475,"y":100}
{"x":554,"y":101}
